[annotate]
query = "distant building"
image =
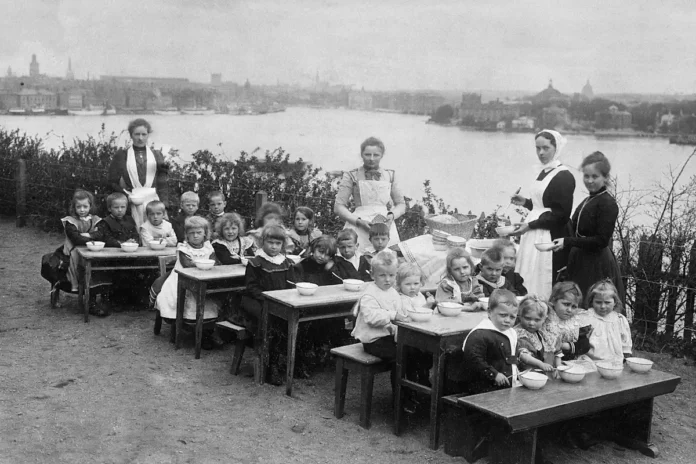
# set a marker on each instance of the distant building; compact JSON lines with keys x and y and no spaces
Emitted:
{"x":587,"y":91}
{"x":549,"y":96}
{"x":523,"y":123}
{"x":9,"y":72}
{"x":360,"y":100}
{"x":161,"y":82}
{"x":493,"y":111}
{"x":30,"y":98}
{"x":554,"y":117}
{"x":33,"y":67}
{"x":613,"y":119}
{"x":69,"y":75}
{"x":216,"y":79}
{"x":70,"y":99}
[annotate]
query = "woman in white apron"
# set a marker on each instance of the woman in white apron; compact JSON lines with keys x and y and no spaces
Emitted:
{"x":374,"y":191}
{"x":550,"y":206}
{"x":140,"y":172}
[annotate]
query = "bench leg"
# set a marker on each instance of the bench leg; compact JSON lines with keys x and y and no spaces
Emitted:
{"x":239,"y":347}
{"x":436,"y":396}
{"x":400,"y":369}
{"x":512,"y":448}
{"x":158,"y":323}
{"x":340,"y":384}
{"x":293,"y":324}
{"x":86,"y":290}
{"x":632,"y":426}
{"x":200,"y":308}
{"x":263,"y":342}
{"x":367,"y":380}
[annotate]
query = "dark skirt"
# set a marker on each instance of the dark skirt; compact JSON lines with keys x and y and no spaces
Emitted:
{"x":585,"y":268}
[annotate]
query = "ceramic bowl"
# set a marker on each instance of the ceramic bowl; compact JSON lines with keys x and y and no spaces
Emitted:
{"x":609,"y":370}
{"x":544,"y":246}
{"x":571,"y":374}
{"x":420,"y":314}
{"x":157,"y":245}
{"x":639,"y":364}
{"x":136,"y":199}
{"x":95,"y":246}
{"x":306,"y":288}
{"x":504,"y":231}
{"x":440,"y":234}
{"x":454,"y":241}
{"x":352,"y":285}
{"x":440,"y":246}
{"x":533,"y":380}
{"x":449,"y":308}
{"x":129,"y":247}
{"x":478,"y":246}
{"x":204,"y":264}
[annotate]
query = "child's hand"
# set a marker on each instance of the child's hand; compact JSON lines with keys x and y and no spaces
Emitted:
{"x":401,"y":318}
{"x":501,"y":380}
{"x":429,"y":299}
{"x":546,"y":367}
{"x":446,"y":286}
{"x":329,"y":265}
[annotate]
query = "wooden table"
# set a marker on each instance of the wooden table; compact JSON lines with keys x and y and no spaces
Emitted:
{"x":113,"y":259}
{"x":516,"y":413}
{"x":439,"y":335}
{"x":327,"y":302}
{"x":218,"y":279}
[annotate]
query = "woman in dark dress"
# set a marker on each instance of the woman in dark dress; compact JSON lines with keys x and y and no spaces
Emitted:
{"x":591,"y":258}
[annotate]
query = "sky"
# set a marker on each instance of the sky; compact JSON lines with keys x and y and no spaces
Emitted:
{"x":621,"y":46}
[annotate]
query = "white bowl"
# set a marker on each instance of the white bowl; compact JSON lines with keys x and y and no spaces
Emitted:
{"x":440,"y":246}
{"x":129,"y":247}
{"x":454,"y":241}
{"x":533,"y":380}
{"x":352,"y":285}
{"x":640,"y":365}
{"x":95,"y":246}
{"x":609,"y":370}
{"x":136,"y":200}
{"x":306,"y":288}
{"x":420,"y":314}
{"x":544,"y":246}
{"x":449,"y":308}
{"x":571,"y":374}
{"x":504,"y":231}
{"x":157,"y":245}
{"x":204,"y":264}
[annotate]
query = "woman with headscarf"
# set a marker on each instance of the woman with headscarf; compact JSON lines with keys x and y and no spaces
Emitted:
{"x":140,"y":170}
{"x":550,"y":206}
{"x":373,"y":191}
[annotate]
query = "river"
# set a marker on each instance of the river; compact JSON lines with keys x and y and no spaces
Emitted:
{"x":470,"y":170}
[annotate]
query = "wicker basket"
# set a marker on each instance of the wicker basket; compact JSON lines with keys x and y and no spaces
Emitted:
{"x":464,"y":228}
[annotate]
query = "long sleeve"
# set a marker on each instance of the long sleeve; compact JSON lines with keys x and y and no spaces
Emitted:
{"x":253,"y":282}
{"x":605,"y":213}
{"x":397,"y":197}
{"x":625,"y":331}
{"x":443,"y":294}
{"x":74,"y":235}
{"x":224,"y":254}
{"x":106,"y":235}
{"x":558,"y":196}
{"x":373,"y":314}
{"x":145,"y":234}
{"x":476,"y":355}
{"x":477,"y":289}
{"x":161,"y":182}
{"x":117,"y":169}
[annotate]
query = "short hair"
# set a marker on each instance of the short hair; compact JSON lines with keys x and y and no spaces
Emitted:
{"x":457,"y":253}
{"x":306,"y":211}
{"x":604,"y":286}
{"x":326,"y":243}
{"x":154,"y":205}
{"x":81,"y":194}
{"x":384,"y":259}
{"x":347,"y":234}
{"x":215,"y":194}
{"x":266,"y":209}
{"x":597,"y":158}
{"x":500,"y":296}
{"x":189,"y":196}
{"x":561,"y":289}
{"x":371,"y":142}
{"x":533,"y":303}
{"x":548,"y":136}
{"x":406,"y":270}
{"x":115,"y":196}
{"x":502,"y":244}
{"x":491,"y":256}
{"x":197,"y":222}
{"x":137,"y":123}
{"x":229,"y":219}
{"x":274,"y":232}
{"x":379,"y":228}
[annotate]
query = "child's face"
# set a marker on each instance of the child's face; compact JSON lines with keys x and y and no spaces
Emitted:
{"x":503,"y":316}
{"x":155,"y":217}
{"x":189,"y":207}
{"x":272,"y":219}
{"x":410,"y":286}
{"x":301,"y":222}
{"x":272,"y":246}
{"x":347,"y":248}
{"x":320,"y":256}
{"x":118,"y":208}
{"x":379,"y":242}
{"x":531,"y":320}
{"x":195,"y":236}
{"x":230,"y":232}
{"x":82,"y":207}
{"x":460,"y":269}
{"x":565,"y":307}
{"x":509,"y":259}
{"x":217,"y":205}
{"x":603,"y":303}
{"x":384,"y":277}
{"x":492,"y":271}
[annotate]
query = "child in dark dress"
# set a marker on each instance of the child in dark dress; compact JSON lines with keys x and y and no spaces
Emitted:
{"x":117,"y":228}
{"x":491,"y":275}
{"x":317,"y":268}
{"x":347,"y":261}
{"x":232,"y":246}
{"x":515,"y":281}
{"x":537,"y":350}
{"x":216,"y":208}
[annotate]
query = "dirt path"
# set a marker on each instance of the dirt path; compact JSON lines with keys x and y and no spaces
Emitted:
{"x":112,"y":392}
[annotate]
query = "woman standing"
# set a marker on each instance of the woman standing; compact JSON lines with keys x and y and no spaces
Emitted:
{"x":550,"y":206}
{"x":374,"y":192}
{"x":591,"y":258}
{"x":140,"y":169}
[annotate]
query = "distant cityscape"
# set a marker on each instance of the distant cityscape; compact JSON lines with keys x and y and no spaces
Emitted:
{"x":582,"y":111}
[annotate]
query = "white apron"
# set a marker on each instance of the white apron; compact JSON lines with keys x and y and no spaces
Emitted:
{"x":374,"y":196}
{"x":138,"y":211}
{"x":536,"y":267}
{"x":510,"y":334}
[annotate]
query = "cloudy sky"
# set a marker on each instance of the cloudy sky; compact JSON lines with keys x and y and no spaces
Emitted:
{"x":620,"y":45}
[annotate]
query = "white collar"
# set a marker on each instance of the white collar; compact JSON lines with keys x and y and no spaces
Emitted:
{"x":277,"y":259}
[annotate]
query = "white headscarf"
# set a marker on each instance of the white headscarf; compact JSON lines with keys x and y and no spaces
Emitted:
{"x":560,"y":144}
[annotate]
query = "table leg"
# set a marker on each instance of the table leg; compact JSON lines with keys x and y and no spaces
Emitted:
{"x":632,"y":427}
{"x":199,"y":295}
{"x":293,"y":324}
{"x":180,"y":301}
{"x":400,"y":368}
{"x":512,"y":448}
{"x":263,"y":336}
{"x":86,"y":290}
{"x":81,"y":285}
{"x":435,"y":397}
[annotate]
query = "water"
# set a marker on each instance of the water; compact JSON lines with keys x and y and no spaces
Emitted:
{"x":471,"y":170}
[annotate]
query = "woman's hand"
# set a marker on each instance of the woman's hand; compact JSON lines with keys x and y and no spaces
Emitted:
{"x":501,"y":380}
{"x":518,"y":200}
{"x":521,"y":229}
{"x":363,"y":224}
{"x":557,"y":244}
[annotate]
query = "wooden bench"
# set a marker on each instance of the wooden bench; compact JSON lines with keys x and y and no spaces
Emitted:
{"x":354,"y":357}
{"x":240,"y":344}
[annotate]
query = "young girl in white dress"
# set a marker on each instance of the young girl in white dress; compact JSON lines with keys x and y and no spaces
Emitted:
{"x":610,"y":339}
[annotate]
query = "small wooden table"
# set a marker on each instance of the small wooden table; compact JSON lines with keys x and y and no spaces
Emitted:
{"x":113,"y":259}
{"x":219,"y":279}
{"x":327,"y":302}
{"x":515,"y":414}
{"x":439,"y":335}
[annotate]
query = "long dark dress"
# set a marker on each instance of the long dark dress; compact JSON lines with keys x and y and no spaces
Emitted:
{"x":591,"y":257}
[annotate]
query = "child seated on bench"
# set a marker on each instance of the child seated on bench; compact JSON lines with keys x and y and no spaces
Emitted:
{"x":318,"y":265}
{"x":563,"y":324}
{"x":537,"y":350}
{"x":610,"y":339}
{"x":349,"y":263}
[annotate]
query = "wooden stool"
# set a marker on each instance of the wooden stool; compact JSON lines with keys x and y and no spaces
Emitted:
{"x":353,"y":357}
{"x":242,"y":335}
{"x":463,"y":430}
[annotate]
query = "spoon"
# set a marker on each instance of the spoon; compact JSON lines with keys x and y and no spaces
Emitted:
{"x":291,"y":282}
{"x":508,"y":206}
{"x":335,"y":275}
